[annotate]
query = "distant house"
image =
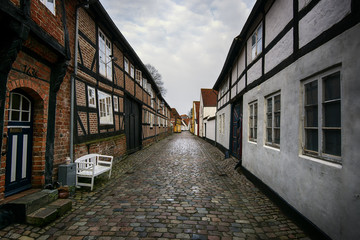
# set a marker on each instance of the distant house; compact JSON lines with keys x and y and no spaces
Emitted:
{"x":175,"y":120}
{"x":289,"y":104}
{"x":195,"y":117}
{"x":208,"y":100}
{"x":185,"y":122}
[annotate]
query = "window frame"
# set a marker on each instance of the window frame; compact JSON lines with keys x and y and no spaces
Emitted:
{"x":132,"y":71}
{"x":108,"y":68}
{"x":253,"y":127}
{"x":272,"y":97}
{"x":89,"y":89}
{"x":320,"y":79}
{"x":258,"y":40}
{"x":126,"y":65}
{"x":50,"y":6}
{"x":108,"y":119}
{"x":138,"y":77}
{"x":116,"y":106}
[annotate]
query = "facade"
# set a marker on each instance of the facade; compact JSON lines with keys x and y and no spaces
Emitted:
{"x":293,"y":93}
{"x":209,"y":129}
{"x":195,"y":117}
{"x":175,"y":121}
{"x":207,"y":109}
{"x":116,"y":105}
{"x":185,"y":122}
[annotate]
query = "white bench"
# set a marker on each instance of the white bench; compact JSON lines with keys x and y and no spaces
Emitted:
{"x":90,"y":166}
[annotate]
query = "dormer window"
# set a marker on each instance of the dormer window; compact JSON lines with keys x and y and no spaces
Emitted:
{"x":105,"y":56}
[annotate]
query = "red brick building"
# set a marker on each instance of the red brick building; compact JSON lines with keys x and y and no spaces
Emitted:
{"x":117,"y":107}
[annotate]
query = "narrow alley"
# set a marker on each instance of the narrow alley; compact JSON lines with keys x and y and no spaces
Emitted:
{"x":178,"y":188}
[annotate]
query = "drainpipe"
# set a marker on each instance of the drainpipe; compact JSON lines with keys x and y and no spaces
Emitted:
{"x":72,"y":97}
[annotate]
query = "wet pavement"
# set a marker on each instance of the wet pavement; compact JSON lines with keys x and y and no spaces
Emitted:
{"x":178,"y":188}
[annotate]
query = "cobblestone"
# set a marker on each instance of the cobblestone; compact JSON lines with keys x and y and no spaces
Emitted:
{"x":178,"y":188}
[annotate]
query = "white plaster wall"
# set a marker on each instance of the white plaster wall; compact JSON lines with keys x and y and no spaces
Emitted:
{"x":324,"y":15}
{"x":254,"y":72}
{"x":234,"y":75}
{"x":210,"y":129}
{"x":241,"y":62}
{"x":303,"y":3}
{"x":209,"y":111}
{"x":324,"y":192}
{"x":233,"y":92}
{"x":276,"y":19}
{"x":282,"y":50}
{"x":241,"y":84}
{"x":224,"y":138}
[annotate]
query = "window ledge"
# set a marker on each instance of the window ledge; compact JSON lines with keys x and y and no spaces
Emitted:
{"x":321,"y":161}
{"x":252,"y":142}
{"x":272,"y":148}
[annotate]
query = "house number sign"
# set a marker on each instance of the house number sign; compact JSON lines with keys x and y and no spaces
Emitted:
{"x":30,"y":71}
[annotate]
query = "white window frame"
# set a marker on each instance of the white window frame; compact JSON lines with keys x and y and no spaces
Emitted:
{"x":105,"y":56}
{"x":321,"y":128}
{"x":253,"y":126}
{"x":138,"y":76}
{"x":91,"y":97}
{"x":256,"y":39}
{"x":132,"y":71}
{"x":126,"y":65}
{"x":20,"y":110}
{"x":50,"y":5}
{"x":151,"y":120}
{"x":105,"y":108}
{"x":271,"y":112}
{"x":116,"y":103}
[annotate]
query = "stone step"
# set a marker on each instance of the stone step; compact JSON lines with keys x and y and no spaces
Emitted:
{"x":30,"y":203}
{"x":49,"y":213}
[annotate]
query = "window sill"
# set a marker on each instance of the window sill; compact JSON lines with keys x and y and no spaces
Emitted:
{"x":253,"y":142}
{"x":272,"y":147}
{"x":321,"y":161}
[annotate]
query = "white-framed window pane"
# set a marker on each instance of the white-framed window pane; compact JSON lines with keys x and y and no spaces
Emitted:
{"x":91,"y":97}
{"x":105,"y":108}
{"x":105,"y":61}
{"x":116,"y":104}
{"x":253,"y":121}
{"x":20,"y":108}
{"x":132,"y":71}
{"x":126,"y":65}
{"x":50,"y":4}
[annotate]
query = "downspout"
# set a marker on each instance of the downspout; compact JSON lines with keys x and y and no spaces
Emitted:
{"x":72,"y":97}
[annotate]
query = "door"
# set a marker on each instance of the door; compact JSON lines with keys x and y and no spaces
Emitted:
{"x":132,"y":125}
{"x":19,"y":144}
{"x":236,"y":131}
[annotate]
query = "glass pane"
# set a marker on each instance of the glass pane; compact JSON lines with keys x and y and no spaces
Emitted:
{"x":15,"y":116}
{"x":269,"y":120}
{"x":255,"y":121}
{"x":253,"y":39}
{"x":259,"y":32}
{"x":255,"y":133}
{"x":311,"y":136}
{"x":25,"y":116}
{"x":277,"y":119}
{"x":15,"y":101}
{"x":25,"y":104}
{"x":332,"y":87}
{"x":277,"y":103}
{"x":332,"y":142}
{"x":269,"y":135}
{"x":259,"y":47}
{"x":332,"y":114}
{"x":311,"y":93}
{"x":277,"y":136}
{"x":269,"y":105}
{"x":311,"y":115}
{"x":253,"y":52}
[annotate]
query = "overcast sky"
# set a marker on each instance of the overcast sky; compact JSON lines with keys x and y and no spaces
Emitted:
{"x":186,"y":40}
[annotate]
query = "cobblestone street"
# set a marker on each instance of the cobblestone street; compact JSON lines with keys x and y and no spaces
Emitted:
{"x":178,"y":188}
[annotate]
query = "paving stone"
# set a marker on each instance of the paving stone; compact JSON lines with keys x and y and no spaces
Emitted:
{"x":169,"y":190}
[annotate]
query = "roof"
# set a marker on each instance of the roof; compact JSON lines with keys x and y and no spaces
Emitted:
{"x":197,"y":106}
{"x":174,"y":113}
{"x":238,"y":43}
{"x":209,"y":97}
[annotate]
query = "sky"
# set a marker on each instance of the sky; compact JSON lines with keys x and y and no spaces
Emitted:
{"x":187,"y":41}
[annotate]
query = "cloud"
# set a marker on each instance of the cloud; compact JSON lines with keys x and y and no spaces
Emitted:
{"x":187,"y":41}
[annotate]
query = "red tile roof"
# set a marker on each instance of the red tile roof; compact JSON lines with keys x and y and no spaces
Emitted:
{"x":209,"y":97}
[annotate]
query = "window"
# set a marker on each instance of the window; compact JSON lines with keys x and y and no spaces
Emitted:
{"x":126,"y":65}
{"x":20,"y":108}
{"x":116,"y":103}
{"x":223,"y":123}
{"x":105,"y":56}
{"x":132,"y":73}
{"x":138,"y":77}
{"x":91,"y":97}
{"x":105,"y":108}
{"x":253,"y":121}
{"x":50,"y":4}
{"x":145,"y":84}
{"x":273,"y":120}
{"x":151,"y":120}
{"x":322,"y":116}
{"x":256,"y":42}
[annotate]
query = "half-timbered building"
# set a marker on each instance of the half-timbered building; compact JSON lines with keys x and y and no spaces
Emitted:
{"x":289,"y":92}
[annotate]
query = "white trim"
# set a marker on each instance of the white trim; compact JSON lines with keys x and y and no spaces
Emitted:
{"x":24,"y":155}
{"x":13,"y":158}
